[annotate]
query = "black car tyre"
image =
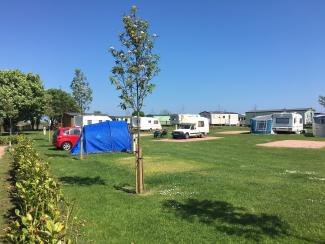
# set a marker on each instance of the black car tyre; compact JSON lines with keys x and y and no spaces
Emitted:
{"x":187,"y":136}
{"x":66,"y":146}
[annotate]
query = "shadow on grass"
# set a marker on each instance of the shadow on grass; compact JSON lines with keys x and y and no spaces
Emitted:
{"x":125,"y":187}
{"x":54,"y":155}
{"x":229,"y":219}
{"x":82,"y":181}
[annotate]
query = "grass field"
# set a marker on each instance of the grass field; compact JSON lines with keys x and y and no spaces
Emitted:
{"x":218,"y":191}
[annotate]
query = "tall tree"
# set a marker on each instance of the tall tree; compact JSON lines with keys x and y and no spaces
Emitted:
{"x":8,"y":108}
{"x":135,"y":66}
{"x":81,"y":91}
{"x":59,"y":102}
{"x":26,"y":93}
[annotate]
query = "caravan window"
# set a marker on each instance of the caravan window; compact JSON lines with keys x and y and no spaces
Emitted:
{"x":261,"y":125}
{"x":201,"y":124}
{"x":89,"y":122}
{"x":100,"y":121}
{"x":155,"y":122}
{"x":294,"y":120}
{"x":283,"y":121}
{"x":149,"y":121}
{"x":300,"y":121}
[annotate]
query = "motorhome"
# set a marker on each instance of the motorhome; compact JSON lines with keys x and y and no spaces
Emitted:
{"x":146,"y":123}
{"x":287,"y":122}
{"x":192,"y":127}
{"x":176,"y":119}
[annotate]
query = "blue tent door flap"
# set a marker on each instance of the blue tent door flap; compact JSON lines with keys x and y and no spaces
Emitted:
{"x":110,"y":136}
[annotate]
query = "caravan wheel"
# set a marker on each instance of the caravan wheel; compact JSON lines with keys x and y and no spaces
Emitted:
{"x":187,"y":136}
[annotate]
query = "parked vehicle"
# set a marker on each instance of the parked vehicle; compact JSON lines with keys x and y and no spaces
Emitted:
{"x":195,"y":127}
{"x":287,"y":122}
{"x":65,"y":138}
{"x":146,"y":123}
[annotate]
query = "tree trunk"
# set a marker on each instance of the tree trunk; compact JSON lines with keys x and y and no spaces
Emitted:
{"x":32,"y":122}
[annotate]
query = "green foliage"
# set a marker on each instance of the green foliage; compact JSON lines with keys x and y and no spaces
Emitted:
{"x":42,"y":213}
{"x":135,"y":64}
{"x":81,"y":91}
{"x":4,"y":140}
{"x":21,"y":95}
{"x":59,"y":102}
{"x":321,"y":100}
{"x":141,"y":114}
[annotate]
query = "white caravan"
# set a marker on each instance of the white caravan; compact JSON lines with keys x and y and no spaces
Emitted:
{"x":146,"y":123}
{"x":81,"y":120}
{"x":192,"y":127}
{"x":287,"y":122}
{"x":176,"y":119}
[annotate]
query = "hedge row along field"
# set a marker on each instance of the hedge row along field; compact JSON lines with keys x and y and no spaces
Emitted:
{"x":41,"y":214}
{"x":4,"y":140}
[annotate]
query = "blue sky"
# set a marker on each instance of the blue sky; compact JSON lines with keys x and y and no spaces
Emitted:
{"x":229,"y":55}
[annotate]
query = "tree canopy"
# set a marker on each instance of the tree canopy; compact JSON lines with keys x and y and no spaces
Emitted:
{"x":321,"y":100}
{"x":23,"y":92}
{"x":135,"y":63}
{"x":59,"y":102}
{"x":81,"y":91}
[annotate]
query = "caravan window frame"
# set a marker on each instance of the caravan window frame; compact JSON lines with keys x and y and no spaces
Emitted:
{"x":281,"y":119}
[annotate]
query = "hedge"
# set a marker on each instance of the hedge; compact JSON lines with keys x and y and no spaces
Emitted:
{"x":4,"y":140}
{"x":41,"y":214}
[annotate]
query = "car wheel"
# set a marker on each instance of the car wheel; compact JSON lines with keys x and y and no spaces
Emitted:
{"x":66,"y":146}
{"x":187,"y":136}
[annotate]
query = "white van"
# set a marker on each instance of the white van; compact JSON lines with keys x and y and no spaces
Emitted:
{"x":146,"y":123}
{"x":287,"y":122}
{"x":194,"y":127}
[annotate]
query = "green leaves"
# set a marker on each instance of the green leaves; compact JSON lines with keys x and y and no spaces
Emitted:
{"x":81,"y":90}
{"x":135,"y":64}
{"x":21,"y":95}
{"x":41,"y":214}
{"x":321,"y":100}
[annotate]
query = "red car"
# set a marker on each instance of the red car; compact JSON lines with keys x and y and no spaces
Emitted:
{"x":66,"y":138}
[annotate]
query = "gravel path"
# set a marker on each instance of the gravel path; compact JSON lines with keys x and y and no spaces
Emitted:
{"x":295,"y":144}
{"x":2,"y":151}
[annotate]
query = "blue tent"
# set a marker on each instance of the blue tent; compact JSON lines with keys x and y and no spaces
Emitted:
{"x":262,"y":125}
{"x":110,"y":136}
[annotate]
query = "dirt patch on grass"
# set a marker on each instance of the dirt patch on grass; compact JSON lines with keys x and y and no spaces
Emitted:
{"x":154,"y":165}
{"x":233,"y":132}
{"x":294,"y":144}
{"x":2,"y":151}
{"x":190,"y":139}
{"x":146,"y":134}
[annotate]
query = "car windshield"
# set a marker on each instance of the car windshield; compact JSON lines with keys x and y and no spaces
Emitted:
{"x":185,"y":126}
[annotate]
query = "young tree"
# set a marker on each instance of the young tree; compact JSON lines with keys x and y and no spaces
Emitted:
{"x":82,"y":94}
{"x":135,"y":66}
{"x":81,"y":91}
{"x":321,"y":100}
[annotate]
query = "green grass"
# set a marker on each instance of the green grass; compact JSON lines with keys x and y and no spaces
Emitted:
{"x":219,"y":191}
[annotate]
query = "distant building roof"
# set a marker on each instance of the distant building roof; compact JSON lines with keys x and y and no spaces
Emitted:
{"x":219,"y":112}
{"x":77,"y":114}
{"x":281,"y":110}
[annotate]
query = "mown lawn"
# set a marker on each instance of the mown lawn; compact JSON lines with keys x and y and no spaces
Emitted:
{"x":220,"y":191}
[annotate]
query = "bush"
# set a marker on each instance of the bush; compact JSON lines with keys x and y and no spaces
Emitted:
{"x":41,"y":214}
{"x":4,"y":140}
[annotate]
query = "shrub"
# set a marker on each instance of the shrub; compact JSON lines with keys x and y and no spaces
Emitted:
{"x":41,"y":214}
{"x":4,"y":140}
